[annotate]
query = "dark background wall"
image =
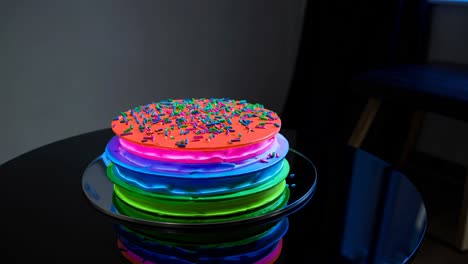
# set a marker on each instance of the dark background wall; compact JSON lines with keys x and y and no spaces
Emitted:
{"x":339,"y":39}
{"x":68,"y":67}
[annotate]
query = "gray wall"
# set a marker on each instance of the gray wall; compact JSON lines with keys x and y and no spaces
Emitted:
{"x":442,"y":136}
{"x":68,"y":67}
{"x":449,"y":33}
{"x":445,"y":137}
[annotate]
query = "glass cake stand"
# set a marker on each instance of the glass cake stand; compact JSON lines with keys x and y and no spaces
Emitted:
{"x":301,"y":181}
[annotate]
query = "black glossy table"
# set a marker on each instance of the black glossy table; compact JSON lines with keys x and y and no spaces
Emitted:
{"x":362,"y":211}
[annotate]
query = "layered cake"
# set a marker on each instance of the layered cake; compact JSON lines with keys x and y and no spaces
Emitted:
{"x":197,"y":160}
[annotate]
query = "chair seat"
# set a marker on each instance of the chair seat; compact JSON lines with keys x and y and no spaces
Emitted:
{"x":433,"y":87}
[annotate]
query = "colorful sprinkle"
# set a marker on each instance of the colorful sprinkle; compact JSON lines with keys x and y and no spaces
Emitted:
{"x":212,"y":116}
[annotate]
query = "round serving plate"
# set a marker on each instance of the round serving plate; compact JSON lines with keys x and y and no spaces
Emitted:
{"x":301,"y":182}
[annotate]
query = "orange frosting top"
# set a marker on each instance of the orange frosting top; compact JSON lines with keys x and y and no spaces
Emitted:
{"x":191,"y":124}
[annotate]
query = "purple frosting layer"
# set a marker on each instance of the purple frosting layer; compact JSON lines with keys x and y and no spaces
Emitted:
{"x":122,"y":158}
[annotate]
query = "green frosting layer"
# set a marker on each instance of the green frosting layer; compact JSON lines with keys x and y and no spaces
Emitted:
{"x":208,"y":206}
{"x":208,"y":240}
{"x":131,"y":211}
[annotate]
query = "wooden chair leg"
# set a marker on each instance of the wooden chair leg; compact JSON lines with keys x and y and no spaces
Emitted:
{"x":364,"y":122}
{"x":412,"y":137}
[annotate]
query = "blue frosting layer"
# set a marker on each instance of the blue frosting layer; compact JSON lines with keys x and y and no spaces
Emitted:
{"x":201,"y":187}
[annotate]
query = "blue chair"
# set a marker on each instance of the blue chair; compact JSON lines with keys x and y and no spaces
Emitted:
{"x":433,"y":87}
{"x":440,"y":88}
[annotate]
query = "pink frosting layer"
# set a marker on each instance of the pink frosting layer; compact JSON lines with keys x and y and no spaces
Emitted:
{"x":130,"y":256}
{"x":134,"y":258}
{"x":273,"y":256}
{"x":201,"y":156}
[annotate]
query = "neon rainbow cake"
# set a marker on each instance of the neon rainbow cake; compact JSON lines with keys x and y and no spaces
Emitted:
{"x":198,"y":160}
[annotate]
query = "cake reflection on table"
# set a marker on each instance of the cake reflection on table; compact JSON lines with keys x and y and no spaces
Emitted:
{"x":254,"y":244}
